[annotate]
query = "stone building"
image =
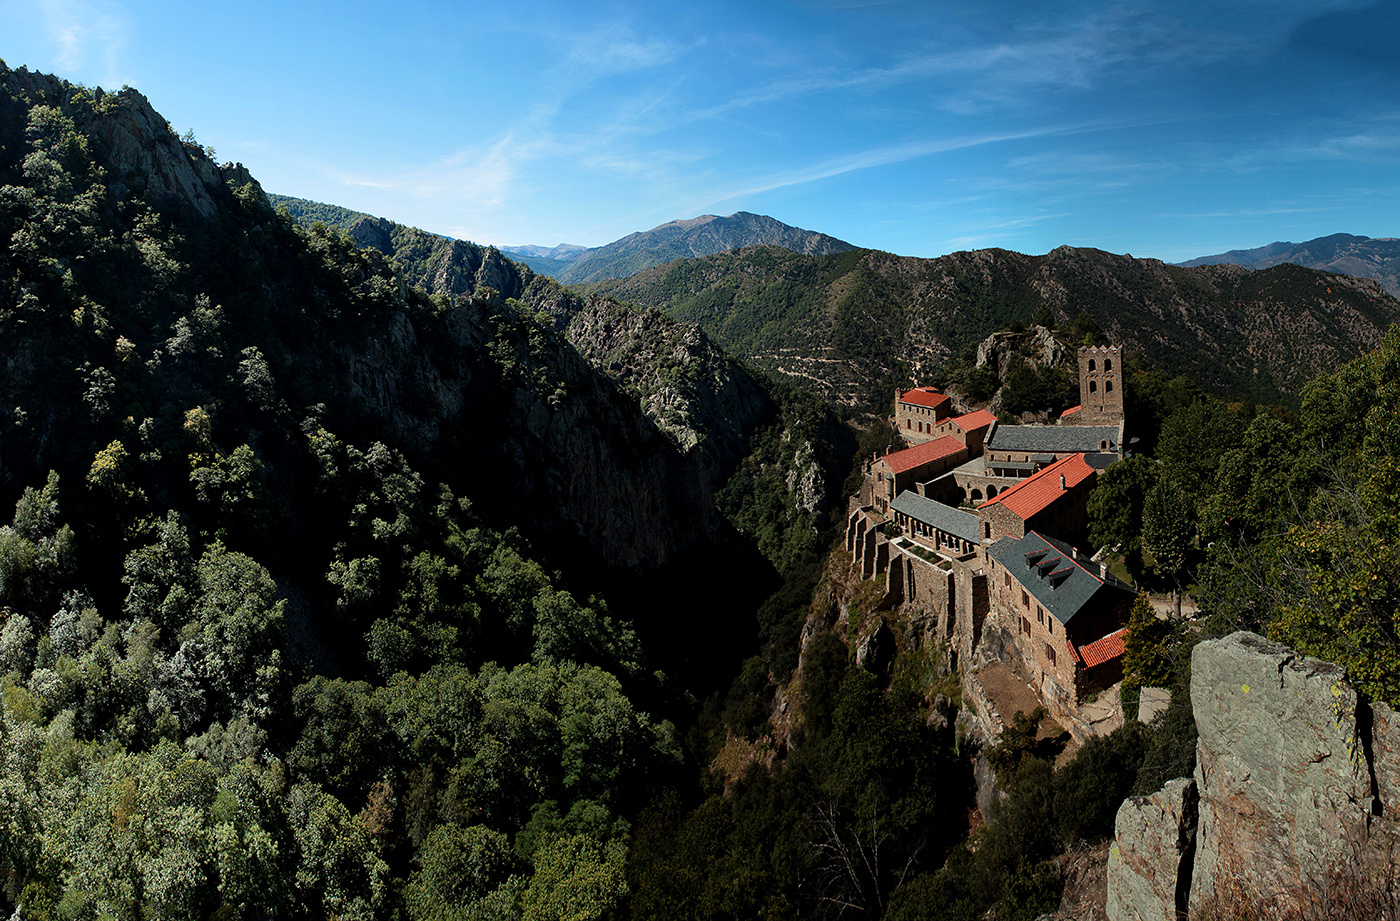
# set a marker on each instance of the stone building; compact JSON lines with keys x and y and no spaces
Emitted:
{"x":1004,"y":584}
{"x":937,"y":526}
{"x":1100,"y":387}
{"x":1066,"y":613}
{"x":970,"y":428}
{"x":1053,"y":499}
{"x":918,"y":412}
{"x":888,"y":476}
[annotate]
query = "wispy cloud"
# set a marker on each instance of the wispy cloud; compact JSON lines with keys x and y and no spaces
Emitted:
{"x":1119,"y":44}
{"x":885,"y":156}
{"x":83,"y":30}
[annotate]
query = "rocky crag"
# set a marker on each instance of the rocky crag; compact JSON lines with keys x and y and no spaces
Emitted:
{"x":1294,"y":807}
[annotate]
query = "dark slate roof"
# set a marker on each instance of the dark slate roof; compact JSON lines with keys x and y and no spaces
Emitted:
{"x":935,"y":514}
{"x":1041,"y":439}
{"x":1048,"y":571}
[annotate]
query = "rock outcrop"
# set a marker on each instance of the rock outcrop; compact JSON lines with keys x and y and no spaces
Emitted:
{"x":1296,"y":779}
{"x":1037,"y":345}
{"x":137,"y":146}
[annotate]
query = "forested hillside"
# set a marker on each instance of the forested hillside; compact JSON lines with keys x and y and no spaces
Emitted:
{"x":322,"y":594}
{"x":854,"y":325}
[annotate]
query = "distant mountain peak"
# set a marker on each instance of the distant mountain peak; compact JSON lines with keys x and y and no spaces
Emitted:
{"x":686,"y":238}
{"x":1377,"y":258}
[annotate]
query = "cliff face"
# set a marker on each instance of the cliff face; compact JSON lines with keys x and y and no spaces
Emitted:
{"x":139,"y":149}
{"x":472,"y":385}
{"x":1294,"y":805}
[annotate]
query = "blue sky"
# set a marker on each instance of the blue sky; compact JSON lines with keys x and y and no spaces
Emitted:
{"x":1160,"y":129}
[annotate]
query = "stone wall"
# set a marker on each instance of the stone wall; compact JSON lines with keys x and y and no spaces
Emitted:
{"x":1298,"y":786}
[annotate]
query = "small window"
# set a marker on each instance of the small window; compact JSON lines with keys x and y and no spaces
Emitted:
{"x":1091,"y":365}
{"x":1108,"y":386}
{"x":1025,"y":626}
{"x":1108,"y":364}
{"x":1050,"y":653}
{"x":1093,"y":386}
{"x":1025,"y":600}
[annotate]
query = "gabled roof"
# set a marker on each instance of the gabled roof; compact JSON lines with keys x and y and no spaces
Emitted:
{"x":1055,"y":439}
{"x":935,"y":514}
{"x":1103,"y":649}
{"x":973,"y":421}
{"x":1036,"y":492}
{"x":926,"y":453}
{"x":1048,"y":570}
{"x":923,"y":396}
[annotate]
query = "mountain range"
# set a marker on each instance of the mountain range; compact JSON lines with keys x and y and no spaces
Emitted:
{"x":855,"y":324}
{"x":699,"y":236}
{"x":1364,"y":257}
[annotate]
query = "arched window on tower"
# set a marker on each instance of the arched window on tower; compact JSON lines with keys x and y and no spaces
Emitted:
{"x":1093,"y":386}
{"x":1091,"y":365}
{"x":1108,"y":364}
{"x":1108,"y":386}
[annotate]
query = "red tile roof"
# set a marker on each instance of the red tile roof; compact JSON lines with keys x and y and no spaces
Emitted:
{"x":927,"y":453}
{"x":1104,"y":649}
{"x":923,"y":396}
{"x":1035,"y":493}
{"x":1071,"y":410}
{"x":972,"y":421}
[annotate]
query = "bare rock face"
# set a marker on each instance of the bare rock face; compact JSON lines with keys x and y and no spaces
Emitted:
{"x":1297,"y":781}
{"x":1155,"y":841}
{"x":138,"y":147}
{"x":1286,"y":791}
{"x":1037,"y":345}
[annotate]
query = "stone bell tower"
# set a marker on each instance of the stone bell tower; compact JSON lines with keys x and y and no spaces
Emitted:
{"x":1100,"y":385}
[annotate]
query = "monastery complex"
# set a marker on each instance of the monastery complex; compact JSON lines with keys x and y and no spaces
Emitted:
{"x":980,"y":530}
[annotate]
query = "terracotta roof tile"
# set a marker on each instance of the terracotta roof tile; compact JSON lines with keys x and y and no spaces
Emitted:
{"x":917,"y":456}
{"x":1104,"y":649}
{"x":1035,"y":493}
{"x":972,"y":421}
{"x":923,"y":396}
{"x":1071,"y":411}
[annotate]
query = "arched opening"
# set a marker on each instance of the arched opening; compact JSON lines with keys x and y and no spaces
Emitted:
{"x":1108,"y":386}
{"x":1091,"y":365}
{"x":1093,"y":386}
{"x":1108,"y":364}
{"x":977,"y":495}
{"x":991,"y":492}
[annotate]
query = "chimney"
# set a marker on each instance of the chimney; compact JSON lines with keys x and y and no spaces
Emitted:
{"x":1062,"y":481}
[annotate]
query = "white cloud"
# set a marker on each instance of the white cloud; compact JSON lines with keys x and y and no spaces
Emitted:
{"x":84,"y":30}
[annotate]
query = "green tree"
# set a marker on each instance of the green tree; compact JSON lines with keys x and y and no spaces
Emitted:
{"x":1167,"y":530}
{"x":1146,"y":647}
{"x":457,"y":868}
{"x":576,"y":878}
{"x":1115,"y":507}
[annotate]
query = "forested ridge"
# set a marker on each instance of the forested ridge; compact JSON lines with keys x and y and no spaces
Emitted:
{"x":329,"y":591}
{"x":854,"y":325}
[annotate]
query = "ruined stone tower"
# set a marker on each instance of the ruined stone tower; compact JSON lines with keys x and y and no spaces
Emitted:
{"x":1100,"y":385}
